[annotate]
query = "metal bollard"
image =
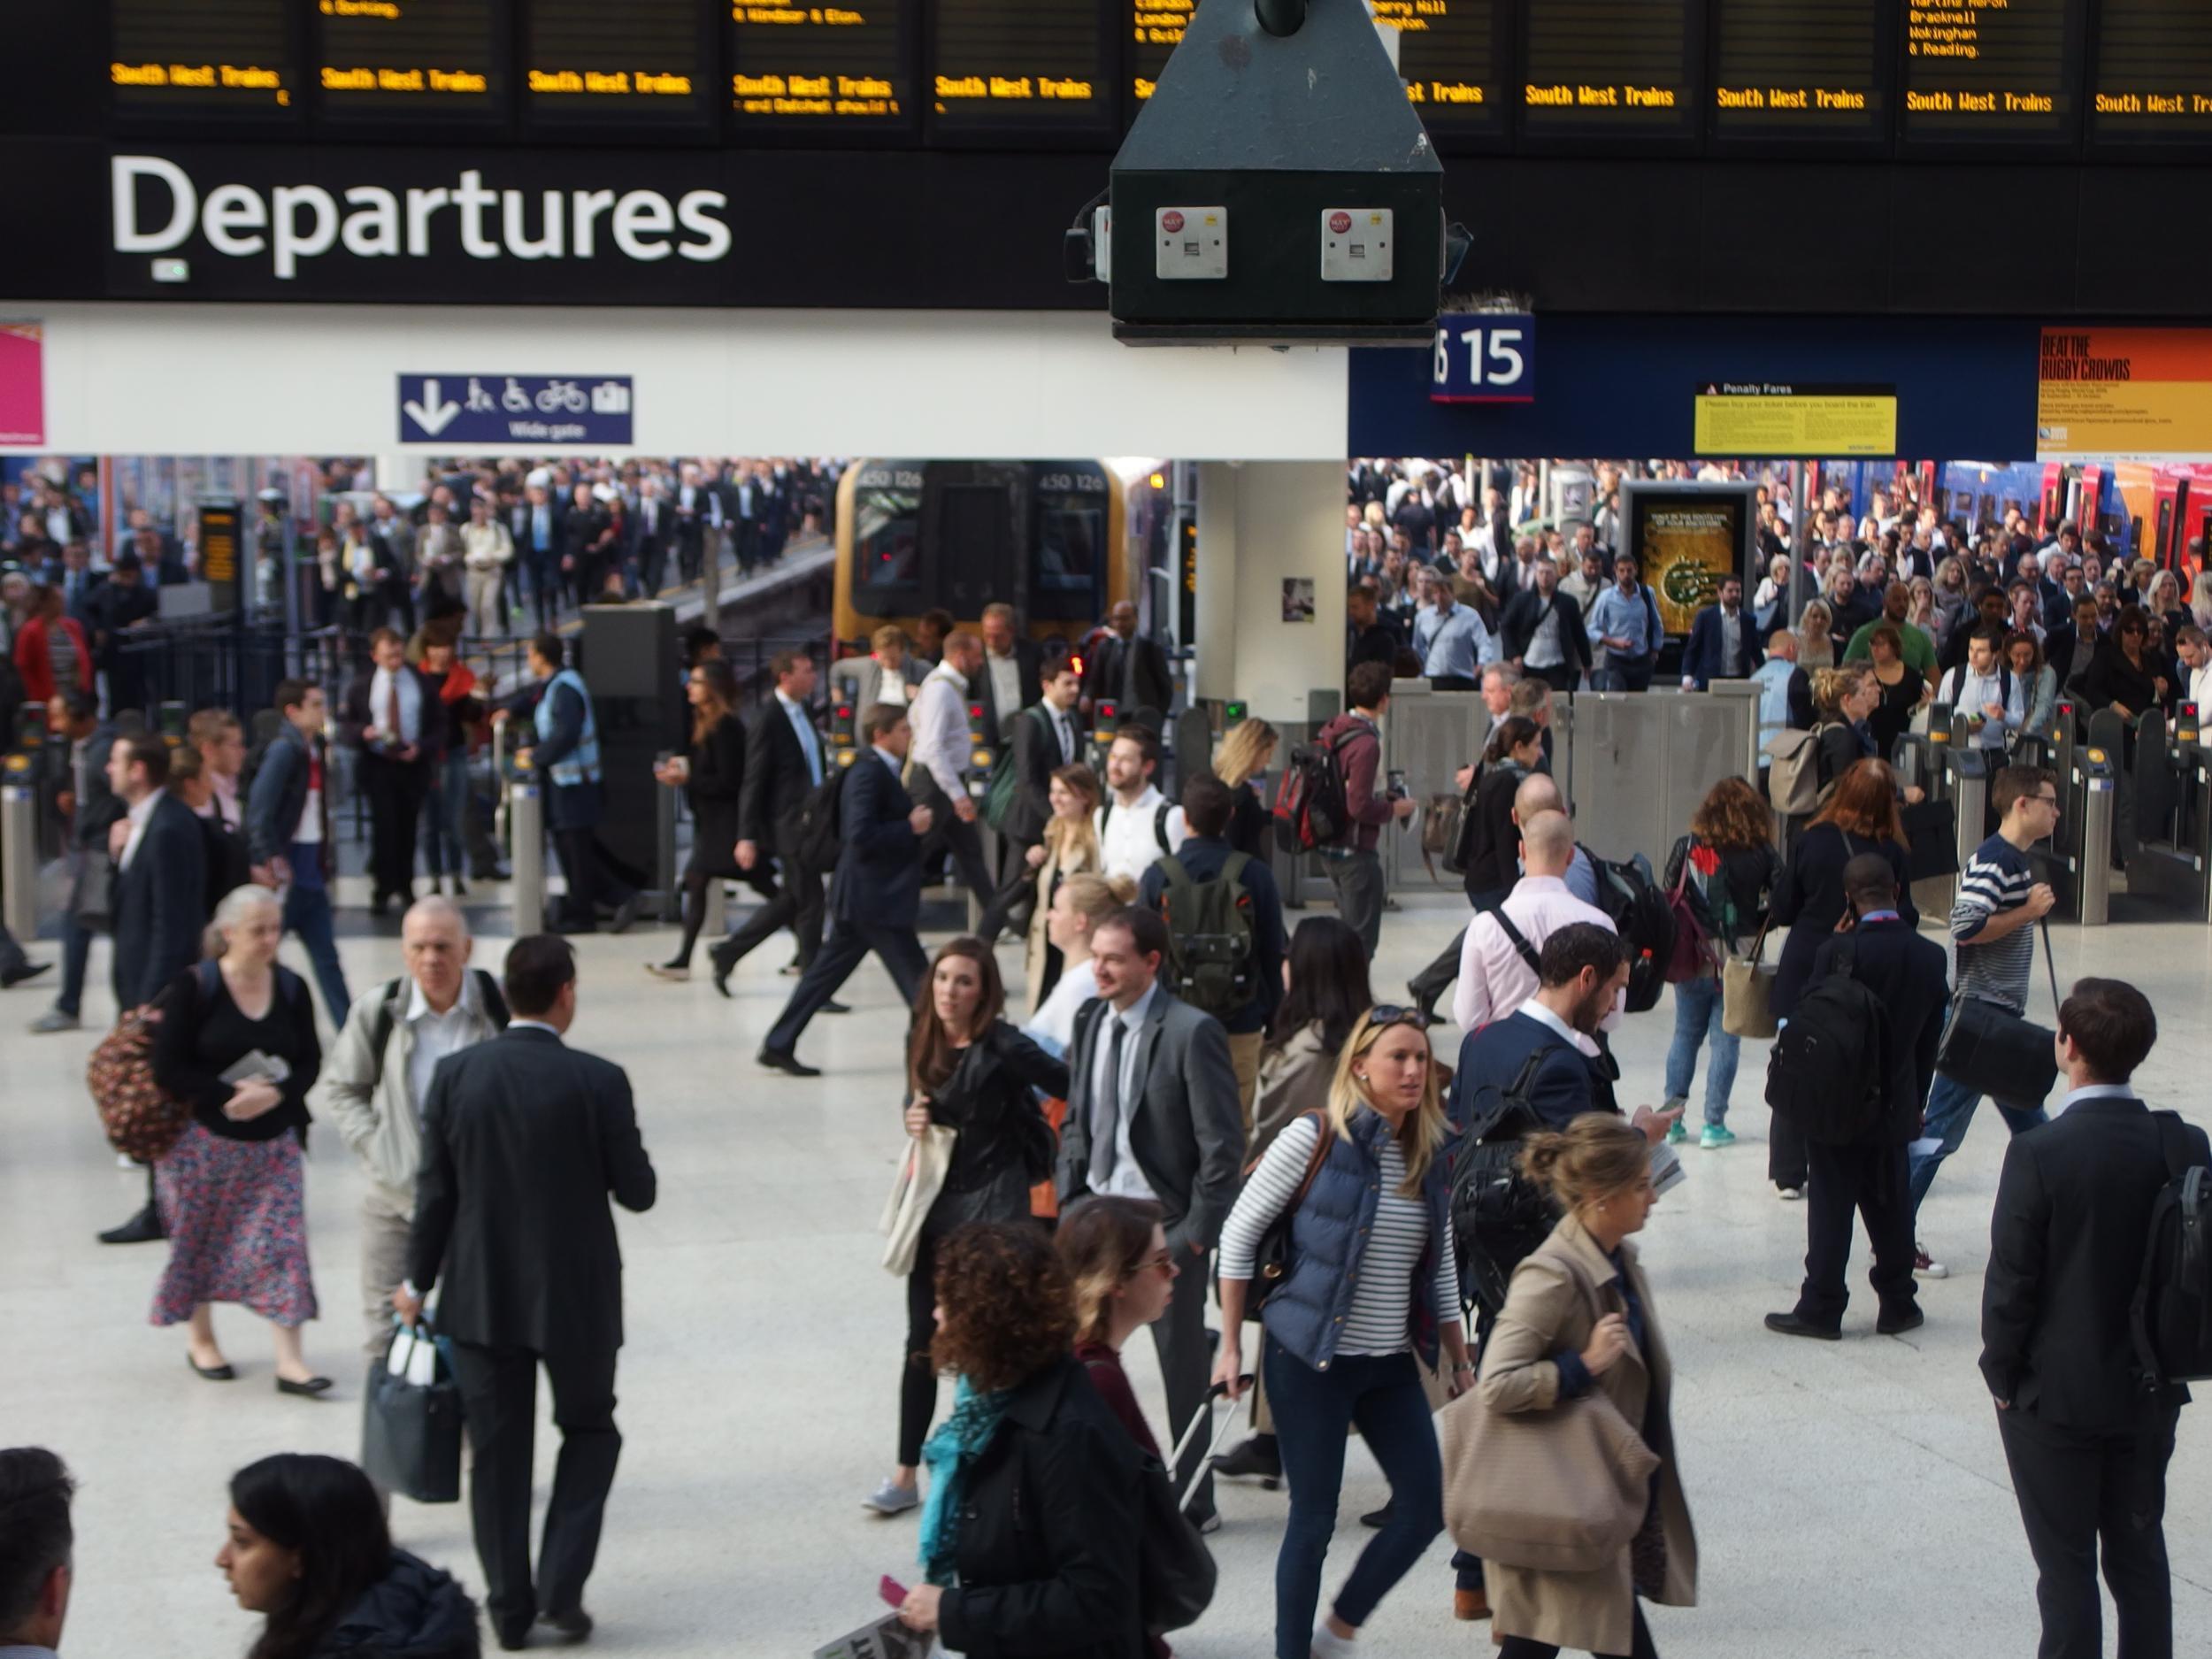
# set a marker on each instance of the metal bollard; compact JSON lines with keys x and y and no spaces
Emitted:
{"x":525,"y":853}
{"x":2099,"y":794}
{"x":18,"y":848}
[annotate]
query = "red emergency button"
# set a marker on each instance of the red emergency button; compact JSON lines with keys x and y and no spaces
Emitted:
{"x":1339,"y":222}
{"x":1170,"y":221}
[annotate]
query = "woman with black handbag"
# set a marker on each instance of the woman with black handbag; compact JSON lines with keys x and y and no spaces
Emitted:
{"x":972,"y":1072}
{"x":1032,"y":1541}
{"x":1490,"y":843}
{"x":1370,"y":1295}
{"x":711,"y":772}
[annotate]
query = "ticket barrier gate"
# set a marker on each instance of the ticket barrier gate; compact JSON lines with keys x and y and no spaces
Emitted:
{"x":2172,"y":773}
{"x":2077,"y":862}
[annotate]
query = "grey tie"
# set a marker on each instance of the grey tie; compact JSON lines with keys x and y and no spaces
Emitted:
{"x":1067,"y":739}
{"x":1106,"y":1120}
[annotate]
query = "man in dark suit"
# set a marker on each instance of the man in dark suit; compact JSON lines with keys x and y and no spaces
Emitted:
{"x":524,"y":1140}
{"x":1367,"y":637}
{"x":122,"y":602}
{"x":1153,"y":1113}
{"x":1723,"y":645}
{"x":1013,"y":667}
{"x":650,"y":528}
{"x":588,"y":532}
{"x":1045,"y":738}
{"x":1544,"y":615}
{"x":77,"y":792}
{"x":875,"y":896}
{"x":2070,"y":648}
{"x":2086,"y":1434}
{"x":1907,"y":974}
{"x":787,"y":761}
{"x":160,"y":901}
{"x":1581,"y":972}
{"x":537,"y":535}
{"x":1127,"y":669}
{"x":392,"y":717}
{"x":699,"y":516}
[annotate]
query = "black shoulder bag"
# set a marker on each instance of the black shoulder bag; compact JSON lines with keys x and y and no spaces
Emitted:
{"x":1995,"y":1052}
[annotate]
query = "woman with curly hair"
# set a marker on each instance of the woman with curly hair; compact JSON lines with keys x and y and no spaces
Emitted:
{"x":971,"y":1072}
{"x":1371,"y":1298}
{"x":1030,"y":1540}
{"x":1726,"y":866}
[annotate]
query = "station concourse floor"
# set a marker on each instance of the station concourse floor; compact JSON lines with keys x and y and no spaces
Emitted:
{"x":1849,"y":1498}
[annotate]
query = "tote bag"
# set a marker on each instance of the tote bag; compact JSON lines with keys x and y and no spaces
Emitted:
{"x":411,"y":1422}
{"x":1557,"y":1491}
{"x":1993,"y":1051}
{"x":1747,"y":992}
{"x":921,"y":1177}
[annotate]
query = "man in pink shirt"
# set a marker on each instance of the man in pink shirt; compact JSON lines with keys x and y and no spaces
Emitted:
{"x":1497,"y":971}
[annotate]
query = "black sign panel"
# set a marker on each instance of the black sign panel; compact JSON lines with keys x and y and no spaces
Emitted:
{"x":1991,"y":72}
{"x":2153,"y":75}
{"x":1627,"y":70}
{"x":829,"y":71}
{"x":409,"y":60}
{"x":233,"y":58}
{"x":1156,"y":29}
{"x":645,"y":64}
{"x":1456,"y":59}
{"x":1802,"y":69}
{"x":1023,"y":66}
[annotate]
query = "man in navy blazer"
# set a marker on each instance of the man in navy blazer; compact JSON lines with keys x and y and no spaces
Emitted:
{"x":1907,"y":974}
{"x":875,"y":896}
{"x":2087,"y":1436}
{"x":1723,"y":644}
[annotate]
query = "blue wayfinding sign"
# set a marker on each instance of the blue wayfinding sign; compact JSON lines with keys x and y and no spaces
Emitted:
{"x":1484,"y":357}
{"x":515,"y":408}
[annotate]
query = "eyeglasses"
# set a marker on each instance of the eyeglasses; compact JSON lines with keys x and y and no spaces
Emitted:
{"x":1391,"y":1014}
{"x":1163,"y":1261}
{"x":2050,"y":801}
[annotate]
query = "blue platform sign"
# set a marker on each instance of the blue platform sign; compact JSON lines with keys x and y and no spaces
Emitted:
{"x":1484,"y":357}
{"x":515,"y":408}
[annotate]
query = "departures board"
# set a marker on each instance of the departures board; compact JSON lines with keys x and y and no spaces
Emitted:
{"x":1909,"y":77}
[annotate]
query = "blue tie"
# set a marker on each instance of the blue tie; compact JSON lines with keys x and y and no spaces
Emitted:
{"x":807,"y":741}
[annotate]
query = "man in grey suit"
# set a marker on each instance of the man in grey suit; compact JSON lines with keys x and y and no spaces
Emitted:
{"x":1153,"y":1113}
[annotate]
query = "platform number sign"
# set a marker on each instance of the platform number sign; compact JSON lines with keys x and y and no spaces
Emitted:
{"x":1485,"y":357}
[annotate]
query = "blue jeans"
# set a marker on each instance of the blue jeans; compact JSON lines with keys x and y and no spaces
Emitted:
{"x":445,"y":815}
{"x":1950,"y":1109}
{"x":1314,"y":1410}
{"x":76,"y":957}
{"x":307,"y":913}
{"x":1697,"y":1007}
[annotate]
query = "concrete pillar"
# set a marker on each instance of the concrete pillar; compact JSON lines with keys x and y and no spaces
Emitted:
{"x":1259,"y":525}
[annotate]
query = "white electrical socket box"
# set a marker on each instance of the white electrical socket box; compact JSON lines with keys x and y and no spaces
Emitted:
{"x":1191,"y":244}
{"x":1356,"y":244}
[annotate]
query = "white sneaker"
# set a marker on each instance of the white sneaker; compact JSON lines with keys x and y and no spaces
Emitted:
{"x":1326,"y":1644}
{"x":1926,"y":1266}
{"x":891,"y":1498}
{"x":1789,"y":1195}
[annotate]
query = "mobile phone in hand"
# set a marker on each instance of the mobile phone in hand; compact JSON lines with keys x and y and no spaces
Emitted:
{"x":891,"y":1590}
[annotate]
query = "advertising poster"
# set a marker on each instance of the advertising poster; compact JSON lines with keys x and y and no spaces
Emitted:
{"x":1686,"y":540}
{"x":22,"y":384}
{"x":2143,"y":393}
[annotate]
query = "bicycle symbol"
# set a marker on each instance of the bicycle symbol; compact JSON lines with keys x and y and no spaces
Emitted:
{"x":563,"y":397}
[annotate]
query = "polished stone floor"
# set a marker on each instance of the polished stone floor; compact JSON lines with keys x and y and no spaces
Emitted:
{"x":1849,"y":1498}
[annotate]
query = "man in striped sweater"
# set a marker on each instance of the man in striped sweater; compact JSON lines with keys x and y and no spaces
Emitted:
{"x":1993,"y":931}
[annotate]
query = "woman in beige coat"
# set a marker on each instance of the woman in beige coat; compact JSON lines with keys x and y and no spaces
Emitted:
{"x":1578,"y":1317}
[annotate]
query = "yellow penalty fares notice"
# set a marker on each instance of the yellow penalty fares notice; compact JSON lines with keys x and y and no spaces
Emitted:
{"x":1770,"y":417}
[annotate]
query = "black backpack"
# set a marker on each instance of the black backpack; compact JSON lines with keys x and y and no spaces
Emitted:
{"x":1311,"y":805}
{"x":1826,"y":1074}
{"x":1209,"y":936}
{"x":2171,"y":1313}
{"x":1642,"y":916}
{"x":821,"y":825}
{"x":1498,"y":1216}
{"x":380,"y":1036}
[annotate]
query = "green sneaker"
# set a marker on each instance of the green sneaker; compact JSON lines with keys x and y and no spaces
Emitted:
{"x":1675,"y":1134}
{"x":1717,"y":1135}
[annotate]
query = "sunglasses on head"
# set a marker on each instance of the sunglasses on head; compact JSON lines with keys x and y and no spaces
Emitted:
{"x":1392,"y":1014}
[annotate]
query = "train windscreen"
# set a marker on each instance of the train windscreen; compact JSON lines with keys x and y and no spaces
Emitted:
{"x":1068,"y":582}
{"x":886,"y":548}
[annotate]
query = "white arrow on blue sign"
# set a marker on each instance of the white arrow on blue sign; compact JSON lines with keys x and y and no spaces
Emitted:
{"x":447,"y":408}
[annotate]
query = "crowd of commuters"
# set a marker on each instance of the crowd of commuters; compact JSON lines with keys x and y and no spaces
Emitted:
{"x":1198,"y":1120}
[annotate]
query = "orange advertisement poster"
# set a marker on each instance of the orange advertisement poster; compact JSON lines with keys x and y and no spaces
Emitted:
{"x":2144,"y":394}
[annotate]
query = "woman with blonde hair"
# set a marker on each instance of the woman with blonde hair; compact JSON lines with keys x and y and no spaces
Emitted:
{"x":2201,"y":600}
{"x":1083,"y":900}
{"x":233,"y":1190}
{"x":1953,"y":596}
{"x":1245,"y":753}
{"x":1578,"y":1306}
{"x":1069,"y":845}
{"x":1920,"y":608}
{"x":1816,"y":636}
{"x":1371,"y":1295}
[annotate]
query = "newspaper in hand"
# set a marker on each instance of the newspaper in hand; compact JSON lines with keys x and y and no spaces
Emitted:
{"x":257,"y":1067}
{"x":1666,"y":1168}
{"x":886,"y":1639}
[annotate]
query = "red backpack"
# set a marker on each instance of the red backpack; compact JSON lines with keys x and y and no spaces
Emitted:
{"x":1311,"y":805}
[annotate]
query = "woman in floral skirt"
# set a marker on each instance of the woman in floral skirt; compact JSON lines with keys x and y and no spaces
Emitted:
{"x":231,"y":1190}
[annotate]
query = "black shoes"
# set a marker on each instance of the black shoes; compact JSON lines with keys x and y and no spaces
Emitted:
{"x":1790,"y":1324}
{"x":308,"y":1390}
{"x":213,"y":1374}
{"x":1377,"y":1518}
{"x":14,"y":976}
{"x":785,"y":1062}
{"x":724,"y":965}
{"x":1256,"y":1459}
{"x":144,"y":1228}
{"x":833,"y":1007}
{"x":570,"y":1627}
{"x":1897,"y":1323}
